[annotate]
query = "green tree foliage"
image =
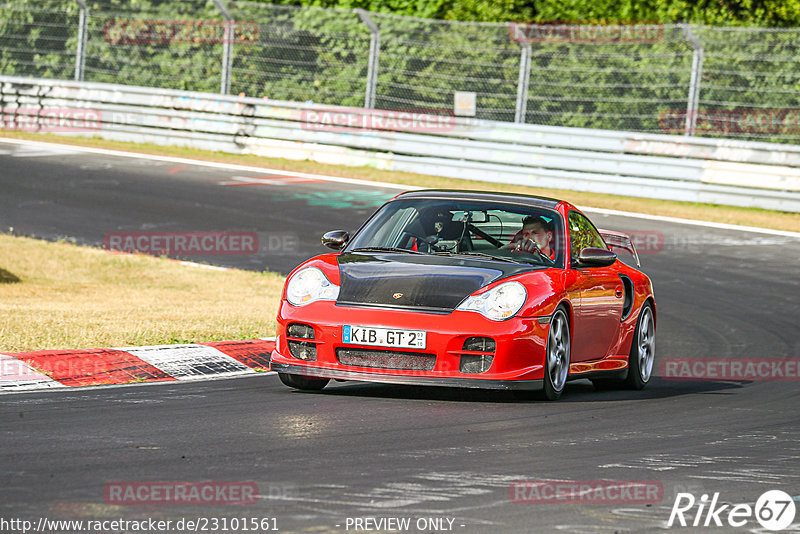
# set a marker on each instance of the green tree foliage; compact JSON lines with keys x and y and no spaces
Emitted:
{"x":773,"y":13}
{"x":124,"y":44}
{"x":38,"y":38}
{"x":302,"y":54}
{"x":320,"y":54}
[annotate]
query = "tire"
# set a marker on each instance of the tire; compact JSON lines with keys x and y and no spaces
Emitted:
{"x":643,"y":350}
{"x":556,"y":365}
{"x":303,"y":382}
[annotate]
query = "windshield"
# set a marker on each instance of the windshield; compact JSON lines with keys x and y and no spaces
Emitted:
{"x":481,"y":229}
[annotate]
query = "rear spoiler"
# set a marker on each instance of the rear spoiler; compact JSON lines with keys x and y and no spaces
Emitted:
{"x":619,"y":240}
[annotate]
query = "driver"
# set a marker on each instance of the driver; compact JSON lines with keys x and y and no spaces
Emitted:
{"x":435,"y":225}
{"x":535,"y":230}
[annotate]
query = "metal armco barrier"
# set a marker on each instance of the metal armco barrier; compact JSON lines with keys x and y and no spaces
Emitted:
{"x":737,"y":173}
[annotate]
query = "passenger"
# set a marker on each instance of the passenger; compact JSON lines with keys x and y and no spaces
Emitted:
{"x":539,"y":231}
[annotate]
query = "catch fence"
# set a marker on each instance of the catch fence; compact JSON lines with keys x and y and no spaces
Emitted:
{"x":683,"y":79}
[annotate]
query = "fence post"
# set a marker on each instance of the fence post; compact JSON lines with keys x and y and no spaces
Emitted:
{"x":227,"y":48}
{"x":522,"y":84}
{"x":694,"y":81}
{"x":80,"y":53}
{"x":374,"y":55}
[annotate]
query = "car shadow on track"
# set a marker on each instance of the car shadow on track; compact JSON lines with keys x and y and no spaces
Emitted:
{"x":577,"y":391}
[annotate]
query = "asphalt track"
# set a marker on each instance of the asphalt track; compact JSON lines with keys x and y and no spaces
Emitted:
{"x":381,"y":451}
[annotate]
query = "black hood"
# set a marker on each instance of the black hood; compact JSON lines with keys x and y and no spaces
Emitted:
{"x":425,"y":282}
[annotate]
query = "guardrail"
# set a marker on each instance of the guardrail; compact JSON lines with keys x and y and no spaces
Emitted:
{"x":667,"y":167}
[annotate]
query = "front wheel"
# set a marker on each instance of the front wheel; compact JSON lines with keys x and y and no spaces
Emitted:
{"x":303,"y":382}
{"x":643,"y":350}
{"x":556,"y":367}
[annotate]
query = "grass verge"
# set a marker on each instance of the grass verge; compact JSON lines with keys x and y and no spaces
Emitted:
{"x":63,"y":296}
{"x":688,"y":210}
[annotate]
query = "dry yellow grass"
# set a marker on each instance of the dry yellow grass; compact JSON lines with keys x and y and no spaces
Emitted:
{"x":59,"y":296}
{"x":687,"y":210}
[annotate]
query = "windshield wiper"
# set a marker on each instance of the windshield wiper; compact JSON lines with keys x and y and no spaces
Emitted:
{"x":386,"y":249}
{"x":479,"y":254}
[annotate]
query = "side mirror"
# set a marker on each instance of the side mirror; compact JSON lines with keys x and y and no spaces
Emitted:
{"x":335,"y":239}
{"x":595,"y":257}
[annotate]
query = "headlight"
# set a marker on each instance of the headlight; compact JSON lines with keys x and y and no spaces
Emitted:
{"x":308,"y":285}
{"x":499,"y":303}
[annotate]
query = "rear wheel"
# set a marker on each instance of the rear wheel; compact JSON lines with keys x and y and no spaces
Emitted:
{"x":303,"y":382}
{"x":556,"y":367}
{"x":643,"y":350}
{"x":640,"y":360}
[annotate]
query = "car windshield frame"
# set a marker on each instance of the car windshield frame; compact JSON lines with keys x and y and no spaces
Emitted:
{"x":391,"y":229}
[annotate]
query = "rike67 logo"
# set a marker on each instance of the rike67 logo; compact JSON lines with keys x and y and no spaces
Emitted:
{"x":774,"y":510}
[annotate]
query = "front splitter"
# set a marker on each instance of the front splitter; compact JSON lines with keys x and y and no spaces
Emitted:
{"x":476,"y":383}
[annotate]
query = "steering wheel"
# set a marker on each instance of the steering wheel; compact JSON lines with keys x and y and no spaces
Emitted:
{"x":427,"y":240}
{"x":529,"y":246}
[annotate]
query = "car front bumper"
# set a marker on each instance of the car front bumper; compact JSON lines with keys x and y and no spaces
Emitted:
{"x":517,"y":361}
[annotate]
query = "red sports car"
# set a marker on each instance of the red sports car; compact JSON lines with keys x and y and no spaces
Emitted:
{"x":469,"y":289}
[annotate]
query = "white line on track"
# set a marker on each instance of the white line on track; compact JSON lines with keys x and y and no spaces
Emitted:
{"x":212,"y":164}
{"x":369,"y":183}
{"x":706,"y":224}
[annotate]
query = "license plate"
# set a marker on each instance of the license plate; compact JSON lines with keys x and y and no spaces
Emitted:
{"x":383,"y":337}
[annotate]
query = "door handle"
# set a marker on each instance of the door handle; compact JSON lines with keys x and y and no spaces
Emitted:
{"x":618,"y":293}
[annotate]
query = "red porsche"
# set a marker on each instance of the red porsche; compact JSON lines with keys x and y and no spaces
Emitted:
{"x":469,"y":289}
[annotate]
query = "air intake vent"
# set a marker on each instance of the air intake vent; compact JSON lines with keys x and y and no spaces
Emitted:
{"x":302,"y":350}
{"x":627,"y":305}
{"x":302,"y":331}
{"x":479,"y":344}
{"x":475,"y":363}
{"x":386,"y":359}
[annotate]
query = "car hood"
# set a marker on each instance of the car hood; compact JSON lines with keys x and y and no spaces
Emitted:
{"x":409,"y":281}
